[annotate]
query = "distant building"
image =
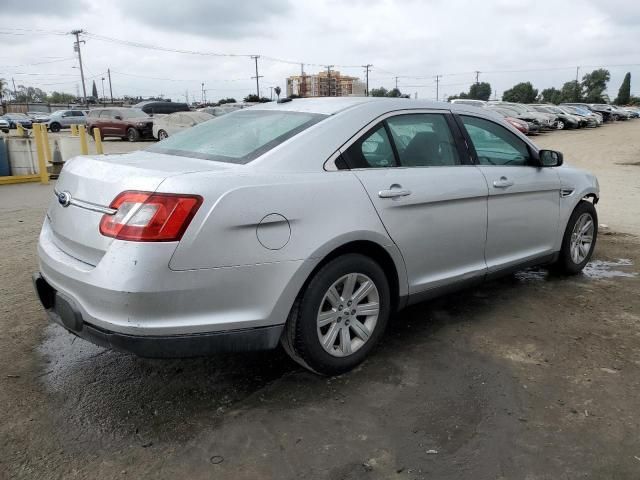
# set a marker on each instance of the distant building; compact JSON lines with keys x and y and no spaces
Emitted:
{"x":324,"y":84}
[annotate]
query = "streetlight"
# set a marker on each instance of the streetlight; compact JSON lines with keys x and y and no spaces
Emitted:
{"x":103,"y":90}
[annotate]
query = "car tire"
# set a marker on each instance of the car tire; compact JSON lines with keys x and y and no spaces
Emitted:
{"x":162,"y":135}
{"x":560,"y":125}
{"x":579,"y":239}
{"x":132,"y":134}
{"x":324,"y":332}
{"x":5,"y":130}
{"x":54,"y":127}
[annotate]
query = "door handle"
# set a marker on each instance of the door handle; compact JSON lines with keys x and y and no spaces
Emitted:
{"x":394,"y":191}
{"x":504,"y":182}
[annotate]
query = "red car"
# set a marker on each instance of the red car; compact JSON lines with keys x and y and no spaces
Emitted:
{"x":127,"y":123}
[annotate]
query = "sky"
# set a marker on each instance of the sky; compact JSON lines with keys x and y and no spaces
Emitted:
{"x":211,"y":42}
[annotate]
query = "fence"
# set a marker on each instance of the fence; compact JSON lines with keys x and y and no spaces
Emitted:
{"x":14,"y":107}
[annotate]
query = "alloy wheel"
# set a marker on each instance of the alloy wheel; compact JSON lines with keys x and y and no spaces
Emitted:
{"x":582,"y":238}
{"x":348,"y":314}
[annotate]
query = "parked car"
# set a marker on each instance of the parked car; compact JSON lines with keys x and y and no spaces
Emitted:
{"x":171,"y":124}
{"x":633,"y":113}
{"x":533,"y":121}
{"x":469,"y":101}
{"x":152,"y":107}
{"x":563,"y":119}
{"x":4,"y":125}
{"x":220,"y":110}
{"x":15,"y":119}
{"x":306,"y":223}
{"x":619,"y":113}
{"x":38,"y":117}
{"x":127,"y":123}
{"x":65,"y":118}
{"x":593,"y":119}
{"x":510,"y":116}
{"x":544,"y":120}
{"x":603,"y":110}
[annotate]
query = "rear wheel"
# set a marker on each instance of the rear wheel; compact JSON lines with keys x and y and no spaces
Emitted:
{"x":162,"y":135}
{"x":579,"y":239}
{"x":560,"y":125}
{"x":132,"y":134}
{"x":54,"y":127}
{"x":340,"y":316}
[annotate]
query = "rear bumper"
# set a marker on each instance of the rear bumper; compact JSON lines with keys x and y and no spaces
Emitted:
{"x":63,"y":311}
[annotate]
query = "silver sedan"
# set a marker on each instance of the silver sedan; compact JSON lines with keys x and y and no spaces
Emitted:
{"x":305,"y":222}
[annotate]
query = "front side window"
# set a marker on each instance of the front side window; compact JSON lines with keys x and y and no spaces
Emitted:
{"x":494,"y":144}
{"x":423,"y":140}
{"x":238,"y":137}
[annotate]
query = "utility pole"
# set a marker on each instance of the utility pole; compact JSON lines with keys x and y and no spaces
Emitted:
{"x":15,"y":92}
{"x":302,"y":69}
{"x":367,"y":67}
{"x":103,"y":91}
{"x":396,"y":83}
{"x":329,"y":67}
{"x":577,"y":99}
{"x":271,"y":93}
{"x":257,"y":77}
{"x":477,"y":77}
{"x":202,"y":93}
{"x":438,"y":87}
{"x":76,"y":47}
{"x":110,"y":89}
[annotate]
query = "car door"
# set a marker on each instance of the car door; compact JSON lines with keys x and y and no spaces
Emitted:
{"x":104,"y":123}
{"x":430,"y":198}
{"x":524,"y":198}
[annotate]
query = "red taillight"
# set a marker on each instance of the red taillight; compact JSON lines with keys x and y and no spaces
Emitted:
{"x":150,"y":217}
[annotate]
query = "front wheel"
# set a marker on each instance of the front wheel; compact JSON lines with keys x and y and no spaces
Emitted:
{"x":560,"y":125}
{"x":162,"y":135}
{"x":340,"y":316}
{"x":579,"y":239}
{"x":54,"y":127}
{"x":133,"y":135}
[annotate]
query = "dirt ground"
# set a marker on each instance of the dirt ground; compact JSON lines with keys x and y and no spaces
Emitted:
{"x":531,"y":377}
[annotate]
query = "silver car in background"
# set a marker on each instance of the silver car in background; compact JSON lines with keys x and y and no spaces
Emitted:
{"x":166,"y":125}
{"x":65,"y":118}
{"x":305,"y":222}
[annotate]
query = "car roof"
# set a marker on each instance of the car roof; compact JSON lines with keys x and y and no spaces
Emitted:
{"x":333,"y":105}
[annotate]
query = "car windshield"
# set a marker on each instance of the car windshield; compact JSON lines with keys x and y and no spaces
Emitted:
{"x":237,"y":137}
{"x":131,"y":113}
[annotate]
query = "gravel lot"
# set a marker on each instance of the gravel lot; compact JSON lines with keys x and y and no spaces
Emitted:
{"x":531,"y":377}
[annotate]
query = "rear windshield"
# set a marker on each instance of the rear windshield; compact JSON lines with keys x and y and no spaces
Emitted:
{"x":237,"y":137}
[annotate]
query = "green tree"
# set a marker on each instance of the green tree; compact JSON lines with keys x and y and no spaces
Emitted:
{"x":394,"y":92}
{"x":254,"y":98}
{"x":570,"y":92}
{"x":594,"y":84}
{"x":222,"y":101}
{"x":624,"y":94}
{"x":379,"y":92}
{"x":94,"y":90}
{"x":60,"y":97}
{"x":520,"y":93}
{"x":551,"y":95}
{"x":480,"y":91}
{"x":30,"y":94}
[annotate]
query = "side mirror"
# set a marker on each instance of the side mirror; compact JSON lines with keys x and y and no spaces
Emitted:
{"x":118,"y":117}
{"x":550,"y":158}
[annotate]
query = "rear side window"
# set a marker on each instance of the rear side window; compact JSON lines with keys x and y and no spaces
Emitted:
{"x":372,"y":150}
{"x":238,"y":137}
{"x":494,"y":144}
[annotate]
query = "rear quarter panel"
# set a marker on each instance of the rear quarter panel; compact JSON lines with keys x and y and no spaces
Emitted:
{"x":314,"y":211}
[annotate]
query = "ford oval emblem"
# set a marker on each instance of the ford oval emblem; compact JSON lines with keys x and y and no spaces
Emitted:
{"x":64,"y":199}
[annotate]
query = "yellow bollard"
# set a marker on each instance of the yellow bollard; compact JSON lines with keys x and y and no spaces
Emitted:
{"x":74,"y":130}
{"x":98,"y":139}
{"x":45,"y":142}
{"x":42,"y":164}
{"x":84,"y":147}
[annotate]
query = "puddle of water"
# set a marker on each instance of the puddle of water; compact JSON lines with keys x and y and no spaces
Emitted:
{"x":602,"y":269}
{"x":533,"y":274}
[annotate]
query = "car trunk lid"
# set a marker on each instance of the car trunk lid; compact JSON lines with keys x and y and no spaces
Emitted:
{"x":88,"y":185}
